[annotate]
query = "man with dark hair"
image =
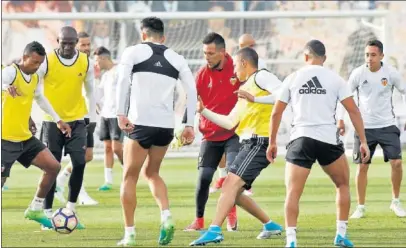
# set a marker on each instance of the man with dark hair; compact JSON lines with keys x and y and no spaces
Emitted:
{"x":83,"y":46}
{"x":251,"y":121}
{"x":65,"y":72}
{"x":314,"y":136}
{"x":374,"y":82}
{"x":110,"y":132}
{"x":215,"y":86}
{"x":20,"y":85}
{"x":149,"y":119}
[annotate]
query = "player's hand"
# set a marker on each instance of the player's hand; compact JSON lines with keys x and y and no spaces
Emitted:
{"x":245,"y":95}
{"x":341,"y":127}
{"x":12,"y":90}
{"x":271,"y":152}
{"x":199,"y":106}
{"x":188,"y":135}
{"x":365,"y":153}
{"x":65,"y":128}
{"x":125,"y":124}
{"x":32,"y":126}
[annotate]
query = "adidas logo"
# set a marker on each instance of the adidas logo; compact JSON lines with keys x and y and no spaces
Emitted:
{"x":312,"y":87}
{"x":80,"y":74}
{"x":158,"y":64}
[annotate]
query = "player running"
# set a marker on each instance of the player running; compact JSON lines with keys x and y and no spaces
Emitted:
{"x":65,"y":71}
{"x":251,"y":121}
{"x":20,"y":85}
{"x":374,"y":82}
{"x":154,"y":71}
{"x":110,"y":132}
{"x":83,"y":46}
{"x":314,"y":136}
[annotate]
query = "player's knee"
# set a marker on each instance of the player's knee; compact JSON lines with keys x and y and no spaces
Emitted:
{"x":78,"y":160}
{"x":108,"y":148}
{"x":117,"y":150}
{"x":363,"y":168}
{"x":205,"y":176}
{"x":149,"y":174}
{"x":396,"y":164}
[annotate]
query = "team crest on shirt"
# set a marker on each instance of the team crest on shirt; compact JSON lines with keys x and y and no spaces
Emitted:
{"x":233,"y":80}
{"x":384,"y":81}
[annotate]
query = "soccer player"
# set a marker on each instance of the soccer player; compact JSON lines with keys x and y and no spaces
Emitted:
{"x":65,"y":72}
{"x":83,"y":46}
{"x":314,"y":136}
{"x":374,"y":81}
{"x":217,"y":89}
{"x":110,"y":132}
{"x":245,"y":40}
{"x":252,"y":122}
{"x":149,"y":127}
{"x":20,"y":85}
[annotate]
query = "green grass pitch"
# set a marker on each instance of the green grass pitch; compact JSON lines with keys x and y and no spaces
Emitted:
{"x":316,"y":226}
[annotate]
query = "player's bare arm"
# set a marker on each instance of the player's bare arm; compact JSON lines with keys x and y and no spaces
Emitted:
{"x":275,"y":122}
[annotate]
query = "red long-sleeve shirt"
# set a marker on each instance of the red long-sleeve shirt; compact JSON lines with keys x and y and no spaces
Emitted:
{"x":217,"y":93}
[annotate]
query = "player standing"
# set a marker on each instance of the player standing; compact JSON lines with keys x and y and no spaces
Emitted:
{"x":65,"y":72}
{"x":155,"y":70}
{"x":217,"y":91}
{"x":245,"y":40}
{"x":110,"y":132}
{"x":314,"y":136}
{"x":83,"y":46}
{"x":252,"y":122}
{"x":374,"y":82}
{"x":20,"y":85}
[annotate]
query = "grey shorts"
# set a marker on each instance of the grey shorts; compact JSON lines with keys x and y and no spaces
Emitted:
{"x":24,"y":152}
{"x":109,"y":130}
{"x":304,"y":152}
{"x":387,"y":137}
{"x":211,"y":152}
{"x":251,"y":160}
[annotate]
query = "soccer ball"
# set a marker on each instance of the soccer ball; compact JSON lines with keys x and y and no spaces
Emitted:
{"x":64,"y":220}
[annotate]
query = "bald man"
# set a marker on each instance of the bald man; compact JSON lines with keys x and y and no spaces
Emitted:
{"x":65,"y":72}
{"x":246,"y":40}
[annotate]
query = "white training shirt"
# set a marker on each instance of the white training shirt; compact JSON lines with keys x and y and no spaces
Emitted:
{"x":89,"y":84}
{"x":313,"y":92}
{"x":9,"y":73}
{"x":374,"y":94}
{"x":151,"y":91}
{"x":108,"y":88}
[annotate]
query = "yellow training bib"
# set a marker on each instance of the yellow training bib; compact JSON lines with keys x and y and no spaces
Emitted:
{"x":16,"y":111}
{"x":63,"y":86}
{"x":254,"y":117}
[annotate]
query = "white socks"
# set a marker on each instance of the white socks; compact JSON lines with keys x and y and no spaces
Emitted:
{"x":71,"y":206}
{"x":342,"y":227}
{"x":64,"y":176}
{"x":128,"y":231}
{"x":48,"y":212}
{"x":395,"y":200}
{"x":222,"y":172}
{"x":108,"y":175}
{"x":165,"y":214}
{"x":37,"y":203}
{"x":290,"y":236}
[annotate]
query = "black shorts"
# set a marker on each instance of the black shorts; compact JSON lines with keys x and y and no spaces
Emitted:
{"x":387,"y":137}
{"x":151,"y":136}
{"x":24,"y":152}
{"x":109,"y":129}
{"x":211,"y":152}
{"x":90,"y":127}
{"x":304,"y":152}
{"x":251,"y":160}
{"x":56,"y":141}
